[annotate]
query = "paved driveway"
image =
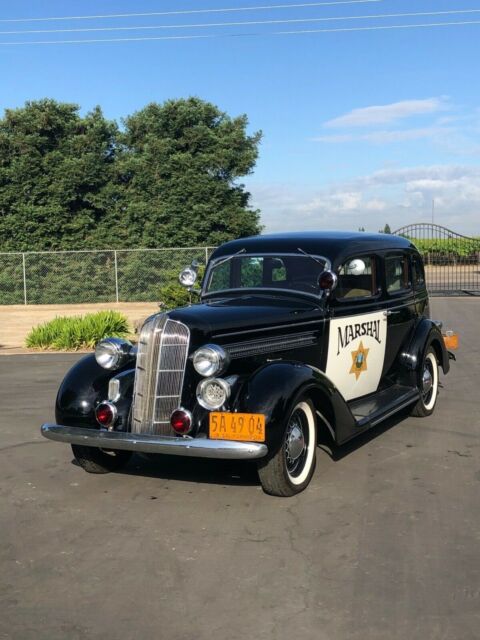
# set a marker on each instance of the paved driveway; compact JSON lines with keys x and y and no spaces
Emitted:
{"x":385,"y":544}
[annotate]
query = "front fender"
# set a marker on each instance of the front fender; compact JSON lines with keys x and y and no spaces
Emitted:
{"x":273,"y":389}
{"x":427,"y":333}
{"x":84,"y":386}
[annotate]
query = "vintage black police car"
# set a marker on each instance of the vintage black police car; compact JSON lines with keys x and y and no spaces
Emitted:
{"x":293,"y":334}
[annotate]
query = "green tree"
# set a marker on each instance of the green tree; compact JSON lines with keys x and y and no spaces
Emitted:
{"x":179,"y":170}
{"x":170,"y":177}
{"x":386,"y":229}
{"x":56,"y":176}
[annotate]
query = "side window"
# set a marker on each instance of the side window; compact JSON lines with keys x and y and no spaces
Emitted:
{"x":396,"y":274}
{"x":251,"y":272}
{"x":357,"y":278}
{"x":418,"y":273}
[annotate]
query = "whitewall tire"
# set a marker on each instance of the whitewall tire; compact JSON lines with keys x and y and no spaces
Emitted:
{"x":290,"y":469}
{"x":428,"y":385}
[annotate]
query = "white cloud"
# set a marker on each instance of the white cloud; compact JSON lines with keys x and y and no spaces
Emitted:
{"x":388,"y":113}
{"x":387,"y":136}
{"x":396,"y":196}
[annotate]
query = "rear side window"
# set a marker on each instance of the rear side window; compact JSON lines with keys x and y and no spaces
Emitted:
{"x":418,"y":273}
{"x":357,"y":278}
{"x":396,"y":274}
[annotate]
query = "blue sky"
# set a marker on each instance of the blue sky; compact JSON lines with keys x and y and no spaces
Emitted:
{"x":360,"y":128}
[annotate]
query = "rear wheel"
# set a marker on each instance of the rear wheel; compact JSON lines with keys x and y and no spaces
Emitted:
{"x":95,"y":460}
{"x":428,"y":385}
{"x":291,"y":468}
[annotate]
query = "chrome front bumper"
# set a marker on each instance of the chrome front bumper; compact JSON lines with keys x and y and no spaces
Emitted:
{"x":194,"y":447}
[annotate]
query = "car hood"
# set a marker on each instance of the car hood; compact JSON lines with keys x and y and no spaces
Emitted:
{"x":247,"y":312}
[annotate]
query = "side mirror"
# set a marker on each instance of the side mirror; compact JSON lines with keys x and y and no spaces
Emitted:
{"x":189,"y":275}
{"x":327,"y":281}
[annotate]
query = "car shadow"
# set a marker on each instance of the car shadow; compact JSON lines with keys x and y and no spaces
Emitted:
{"x":338,"y":452}
{"x":236,"y":472}
{"x":196,"y":470}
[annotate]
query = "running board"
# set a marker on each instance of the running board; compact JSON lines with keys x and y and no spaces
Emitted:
{"x":375,"y":408}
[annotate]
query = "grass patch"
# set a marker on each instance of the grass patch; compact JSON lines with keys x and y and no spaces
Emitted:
{"x":77,"y":332}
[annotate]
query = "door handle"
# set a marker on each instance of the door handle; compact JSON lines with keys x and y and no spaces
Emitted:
{"x":390,"y":313}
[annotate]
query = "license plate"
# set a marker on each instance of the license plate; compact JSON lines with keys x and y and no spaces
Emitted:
{"x":247,"y":427}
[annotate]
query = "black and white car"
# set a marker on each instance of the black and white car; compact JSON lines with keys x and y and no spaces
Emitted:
{"x":294,"y":335}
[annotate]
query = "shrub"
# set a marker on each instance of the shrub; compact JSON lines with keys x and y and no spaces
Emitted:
{"x":173,"y":296}
{"x":77,"y":332}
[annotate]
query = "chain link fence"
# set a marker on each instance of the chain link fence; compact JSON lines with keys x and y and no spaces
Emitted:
{"x":68,"y":277}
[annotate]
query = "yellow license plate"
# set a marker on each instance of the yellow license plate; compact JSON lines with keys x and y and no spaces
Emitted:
{"x":248,"y":427}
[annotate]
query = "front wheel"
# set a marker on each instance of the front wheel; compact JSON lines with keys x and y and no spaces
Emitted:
{"x":428,"y":384}
{"x":95,"y":460}
{"x":291,"y":468}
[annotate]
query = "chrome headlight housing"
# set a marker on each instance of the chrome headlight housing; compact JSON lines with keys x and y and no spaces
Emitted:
{"x":213,"y":393}
{"x":113,"y":353}
{"x":210,"y":360}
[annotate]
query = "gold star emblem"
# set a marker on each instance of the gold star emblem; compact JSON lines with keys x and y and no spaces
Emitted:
{"x":359,"y":360}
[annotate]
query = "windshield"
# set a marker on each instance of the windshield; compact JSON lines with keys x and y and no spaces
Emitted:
{"x":294,"y":273}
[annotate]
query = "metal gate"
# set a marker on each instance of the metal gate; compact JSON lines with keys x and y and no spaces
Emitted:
{"x":452,"y":261}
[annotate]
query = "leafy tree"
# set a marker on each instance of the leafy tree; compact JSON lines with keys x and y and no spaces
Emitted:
{"x":179,"y":170}
{"x":386,"y":229}
{"x":56,"y":173}
{"x":169,"y":178}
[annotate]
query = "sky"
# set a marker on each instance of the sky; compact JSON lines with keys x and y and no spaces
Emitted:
{"x":360,"y":128}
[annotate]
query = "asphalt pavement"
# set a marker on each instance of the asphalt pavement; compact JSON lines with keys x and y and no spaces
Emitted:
{"x":384,"y":544}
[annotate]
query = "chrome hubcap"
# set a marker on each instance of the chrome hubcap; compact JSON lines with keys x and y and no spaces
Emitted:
{"x":295,"y":443}
{"x":427,"y":381}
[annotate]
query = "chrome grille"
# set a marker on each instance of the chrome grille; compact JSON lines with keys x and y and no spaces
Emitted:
{"x":161,"y":359}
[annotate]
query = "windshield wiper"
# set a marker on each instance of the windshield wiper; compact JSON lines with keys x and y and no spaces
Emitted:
{"x":227,"y":258}
{"x":312,"y":257}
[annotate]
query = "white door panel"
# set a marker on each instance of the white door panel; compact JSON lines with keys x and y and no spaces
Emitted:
{"x":356,"y":351}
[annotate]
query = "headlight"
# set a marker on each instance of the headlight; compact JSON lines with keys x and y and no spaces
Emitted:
{"x":188,"y":277}
{"x":213,"y":393}
{"x":113,"y":353}
{"x":210,"y":360}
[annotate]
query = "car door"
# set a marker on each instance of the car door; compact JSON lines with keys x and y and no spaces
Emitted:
{"x":399,"y":306}
{"x":357,"y":328}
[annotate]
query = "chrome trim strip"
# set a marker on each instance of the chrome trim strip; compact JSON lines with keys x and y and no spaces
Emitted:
{"x":193,"y":447}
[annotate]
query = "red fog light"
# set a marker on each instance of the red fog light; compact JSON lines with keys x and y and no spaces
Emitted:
{"x":181,"y":421}
{"x":105,"y":413}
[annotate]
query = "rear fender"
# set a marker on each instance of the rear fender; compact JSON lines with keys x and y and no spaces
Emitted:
{"x":274,"y":388}
{"x":427,"y":333}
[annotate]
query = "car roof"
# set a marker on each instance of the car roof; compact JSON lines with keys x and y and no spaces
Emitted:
{"x":334,"y":245}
